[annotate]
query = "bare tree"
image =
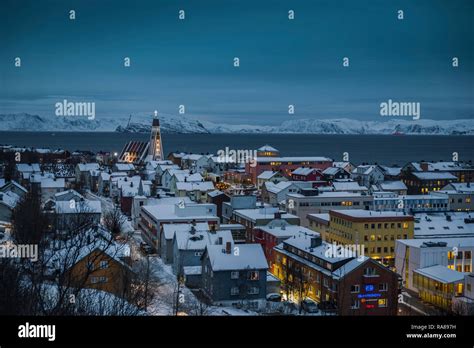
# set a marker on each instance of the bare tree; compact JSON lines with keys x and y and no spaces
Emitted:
{"x":113,"y":220}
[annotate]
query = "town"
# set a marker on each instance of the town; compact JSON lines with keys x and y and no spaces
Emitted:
{"x":144,"y":232}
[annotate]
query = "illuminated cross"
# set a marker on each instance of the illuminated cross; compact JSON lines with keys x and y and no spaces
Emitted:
{"x":156,"y":113}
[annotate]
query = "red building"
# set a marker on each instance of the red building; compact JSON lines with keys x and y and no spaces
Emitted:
{"x":285,"y":165}
{"x":306,"y":174}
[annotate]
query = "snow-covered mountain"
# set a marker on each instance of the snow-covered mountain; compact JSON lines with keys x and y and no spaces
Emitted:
{"x":174,"y":124}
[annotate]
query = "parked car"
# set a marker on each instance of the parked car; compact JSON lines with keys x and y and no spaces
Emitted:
{"x":274,"y":297}
{"x":309,"y":306}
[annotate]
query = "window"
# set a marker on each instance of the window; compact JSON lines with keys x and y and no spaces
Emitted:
{"x":198,"y":253}
{"x":253,"y":275}
{"x":234,"y":275}
{"x":94,"y":280}
{"x":104,"y":264}
{"x":90,"y":266}
{"x":383,"y":287}
{"x":234,"y":291}
{"x":325,"y":282}
{"x":355,"y":304}
{"x":382,"y":302}
{"x":366,"y":226}
{"x":253,"y":290}
{"x":369,"y":271}
{"x":355,"y":288}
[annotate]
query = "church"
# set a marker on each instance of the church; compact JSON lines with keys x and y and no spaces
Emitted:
{"x":137,"y":152}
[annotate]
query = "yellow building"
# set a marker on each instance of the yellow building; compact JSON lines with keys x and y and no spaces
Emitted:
{"x":438,"y":285}
{"x":375,"y":231}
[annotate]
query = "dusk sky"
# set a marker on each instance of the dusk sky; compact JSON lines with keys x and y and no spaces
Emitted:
{"x":283,"y":61}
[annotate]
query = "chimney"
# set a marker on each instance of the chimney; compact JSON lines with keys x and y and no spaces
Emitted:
{"x":424,"y":166}
{"x":228,"y":247}
{"x":278,"y":215}
{"x":315,"y":242}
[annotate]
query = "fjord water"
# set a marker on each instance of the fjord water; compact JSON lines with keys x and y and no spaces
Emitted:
{"x":384,"y":149}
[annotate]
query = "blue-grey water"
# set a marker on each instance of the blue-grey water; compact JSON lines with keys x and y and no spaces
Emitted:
{"x":384,"y":149}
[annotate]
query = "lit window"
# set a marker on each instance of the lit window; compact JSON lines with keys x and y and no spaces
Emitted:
{"x":382,"y":302}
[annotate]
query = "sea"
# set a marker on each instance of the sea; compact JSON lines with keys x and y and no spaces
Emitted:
{"x":382,"y":149}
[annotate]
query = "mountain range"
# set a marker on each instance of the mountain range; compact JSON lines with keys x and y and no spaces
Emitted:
{"x":185,"y":125}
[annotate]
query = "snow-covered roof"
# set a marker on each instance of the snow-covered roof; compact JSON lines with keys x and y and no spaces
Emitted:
{"x":392,"y":171}
{"x":249,"y":256}
{"x":2,"y":182}
{"x":331,"y":194}
{"x":182,"y":177}
{"x":348,"y":186}
{"x":62,"y":193}
{"x":191,"y":211}
{"x":294,"y":159}
{"x":458,"y":242}
{"x":332,"y":170}
{"x":202,"y":186}
{"x":282,"y":229}
{"x":9,"y":198}
{"x":200,"y":239}
{"x":441,"y":274}
{"x":215,"y":193}
{"x":278,"y":187}
{"x":170,"y":229}
{"x":393,"y":185}
{"x":262,"y":213}
{"x":53,"y":183}
{"x":365,"y":169}
{"x":462,"y":187}
{"x":323,"y":217}
{"x":434,"y":176}
{"x":268,"y":174}
{"x":105,"y":176}
{"x":303,"y":171}
{"x":370,"y":214}
{"x":25,"y":167}
{"x":85,"y":206}
{"x":8,"y":185}
{"x":267,"y":148}
{"x":124,"y":167}
{"x":85,"y":167}
{"x":437,"y":225}
{"x":341,"y":164}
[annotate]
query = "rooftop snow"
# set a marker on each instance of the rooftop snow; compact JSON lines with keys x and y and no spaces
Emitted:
{"x":434,"y":176}
{"x":250,"y":256}
{"x":441,"y":273}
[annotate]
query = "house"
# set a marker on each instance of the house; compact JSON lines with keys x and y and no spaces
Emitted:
{"x":269,"y":176}
{"x":367,"y":175}
{"x":347,"y":166}
{"x":251,"y":218}
{"x":8,"y":202}
{"x":397,"y":187}
{"x":464,"y":172}
{"x":217,"y":197}
{"x":273,"y":194}
{"x":168,"y":233}
{"x":235,"y":275}
{"x":68,"y":195}
{"x":425,"y":182}
{"x":197,"y":191}
{"x":51,"y":186}
{"x":24,"y":170}
{"x":71,"y":215}
{"x":189,"y":246}
{"x":93,"y":259}
{"x":84,"y":173}
{"x":196,"y":163}
{"x":237,"y":202}
{"x":337,"y":278}
{"x":383,"y":201}
{"x":306,"y":174}
{"x":130,"y":188}
{"x":460,"y":196}
{"x":391,"y":173}
{"x":335,"y":173}
{"x":172,"y":210}
{"x":274,"y":233}
{"x":128,"y":168}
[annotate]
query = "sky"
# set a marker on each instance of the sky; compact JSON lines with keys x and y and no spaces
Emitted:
{"x":190,"y":62}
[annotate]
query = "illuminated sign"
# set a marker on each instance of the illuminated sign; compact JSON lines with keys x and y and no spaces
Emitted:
{"x":368,"y":295}
{"x":369,"y":287}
